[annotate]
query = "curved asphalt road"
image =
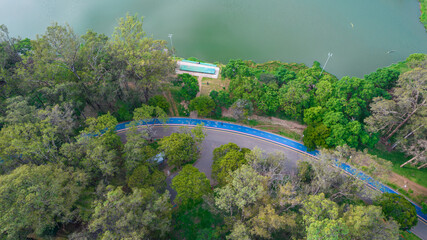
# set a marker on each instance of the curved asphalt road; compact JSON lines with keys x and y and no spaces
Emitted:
{"x":216,"y":138}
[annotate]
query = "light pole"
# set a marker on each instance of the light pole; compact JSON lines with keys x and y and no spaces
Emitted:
{"x":329,"y":55}
{"x":170,"y":36}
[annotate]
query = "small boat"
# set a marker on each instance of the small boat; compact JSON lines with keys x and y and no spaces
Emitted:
{"x":391,"y":51}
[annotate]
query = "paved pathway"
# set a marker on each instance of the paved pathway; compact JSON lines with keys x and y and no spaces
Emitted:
{"x":223,"y":133}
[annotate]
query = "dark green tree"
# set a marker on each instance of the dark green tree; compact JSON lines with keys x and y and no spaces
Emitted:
{"x":396,"y":207}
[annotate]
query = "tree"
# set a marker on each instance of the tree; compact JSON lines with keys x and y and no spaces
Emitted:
{"x":204,"y":105}
{"x":27,"y":143}
{"x":305,"y":171}
{"x":191,"y":185}
{"x":315,"y":136}
{"x":408,"y":103}
{"x":241,"y":109}
{"x":184,"y":147}
{"x":190,"y":86}
{"x":141,"y":214}
{"x":245,"y":188}
{"x":327,"y":229}
{"x":227,"y":158}
{"x":144,"y":59}
{"x":36,"y":199}
{"x":367,"y":222}
{"x":419,"y":152}
{"x":321,"y":217}
{"x":294,"y":98}
{"x":221,"y":98}
{"x":145,"y":177}
{"x":398,"y":208}
{"x":159,"y":101}
{"x":267,"y":221}
{"x":239,"y":232}
{"x":19,"y":111}
{"x":179,"y":149}
{"x":136,"y":149}
{"x":383,"y":78}
{"x":104,"y":127}
{"x":269,"y":103}
{"x":146,"y":115}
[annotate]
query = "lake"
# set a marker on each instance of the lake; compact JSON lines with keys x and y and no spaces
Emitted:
{"x":358,"y":33}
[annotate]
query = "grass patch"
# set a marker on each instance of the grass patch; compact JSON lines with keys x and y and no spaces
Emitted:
{"x":282,"y":131}
{"x":209,"y":84}
{"x":408,"y":236}
{"x":397,"y":158}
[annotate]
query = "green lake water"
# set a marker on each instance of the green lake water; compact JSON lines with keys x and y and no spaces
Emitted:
{"x":358,"y":33}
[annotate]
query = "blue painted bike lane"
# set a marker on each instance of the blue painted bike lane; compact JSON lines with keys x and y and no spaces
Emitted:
{"x":283,"y":141}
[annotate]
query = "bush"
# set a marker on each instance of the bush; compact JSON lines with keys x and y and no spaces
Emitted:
{"x":159,"y":101}
{"x":190,"y":86}
{"x":401,"y":210}
{"x":204,"y":105}
{"x":143,"y":177}
{"x":124,"y":113}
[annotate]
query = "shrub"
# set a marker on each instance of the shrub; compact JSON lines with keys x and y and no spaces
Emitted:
{"x":159,"y":101}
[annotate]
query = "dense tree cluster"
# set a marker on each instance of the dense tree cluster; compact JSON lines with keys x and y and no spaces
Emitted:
{"x":384,"y":105}
{"x":62,"y":163}
{"x":263,"y":199}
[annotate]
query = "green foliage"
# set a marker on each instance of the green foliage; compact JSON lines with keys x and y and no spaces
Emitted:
{"x":146,"y":177}
{"x":315,"y":136}
{"x":139,"y":215}
{"x":35,"y":199}
{"x":398,"y":208}
{"x":182,"y":111}
{"x":423,"y":17}
{"x":244,"y":189}
{"x":204,"y":105}
{"x":159,"y":101}
{"x":241,"y":109}
{"x":221,"y":98}
{"x":383,"y":78}
{"x":104,"y":126}
{"x":136,"y":149}
{"x":196,"y":222}
{"x":226,"y":159}
{"x":124,"y":112}
{"x":190,"y":86}
{"x":305,"y":171}
{"x":236,"y":68}
{"x":191,"y":185}
{"x":424,"y":207}
{"x":367,"y":222}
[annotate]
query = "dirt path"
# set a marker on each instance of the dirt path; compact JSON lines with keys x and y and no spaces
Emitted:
{"x":293,"y":126}
{"x":402,"y":182}
{"x":174,"y":109}
{"x":199,"y":79}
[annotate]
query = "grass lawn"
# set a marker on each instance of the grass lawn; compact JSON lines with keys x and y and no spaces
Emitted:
{"x":209,"y":84}
{"x":397,"y":158}
{"x":282,"y":131}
